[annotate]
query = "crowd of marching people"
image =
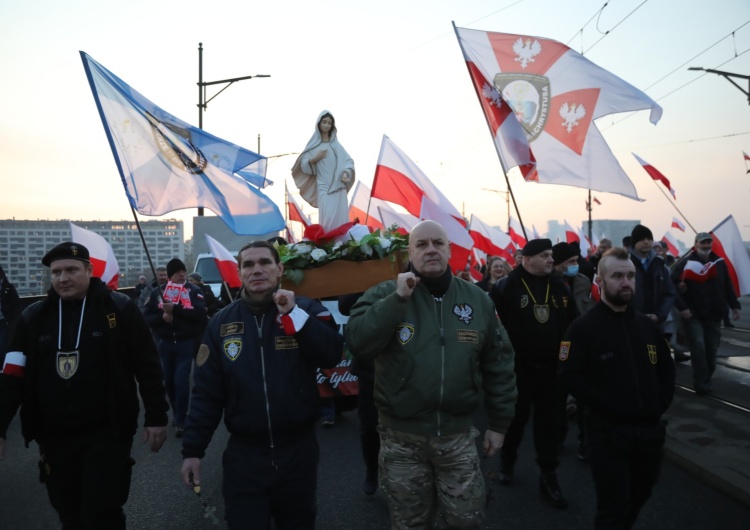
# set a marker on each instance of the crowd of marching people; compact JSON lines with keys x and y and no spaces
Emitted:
{"x":431,"y":348}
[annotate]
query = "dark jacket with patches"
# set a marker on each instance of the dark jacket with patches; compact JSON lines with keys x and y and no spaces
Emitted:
{"x":535,"y":334}
{"x":706,"y":300}
{"x":654,"y":291}
{"x":262,"y":380}
{"x":434,"y":358}
{"x":113,"y":331}
{"x":618,"y":365}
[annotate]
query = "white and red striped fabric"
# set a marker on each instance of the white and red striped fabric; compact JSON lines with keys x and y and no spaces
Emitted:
{"x":676,"y":223}
{"x":461,"y":242}
{"x":226,"y":263}
{"x":391,"y":217}
{"x":101,"y":255}
{"x":571,"y":234}
{"x":358,"y":207}
{"x":671,"y":243}
{"x":698,"y":272}
{"x":728,"y":244}
{"x":656,"y":175}
{"x":295,"y":212}
{"x":14,"y":364}
{"x":490,"y":240}
{"x":399,"y":180}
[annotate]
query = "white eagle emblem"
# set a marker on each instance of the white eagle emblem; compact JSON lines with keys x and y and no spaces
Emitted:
{"x":492,"y":95}
{"x":571,"y":114}
{"x":464,"y":312}
{"x":526,"y":51}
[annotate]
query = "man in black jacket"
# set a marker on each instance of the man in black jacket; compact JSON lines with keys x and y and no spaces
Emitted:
{"x":257,"y":365}
{"x":176,"y":312}
{"x":8,"y":304}
{"x":73,"y":363}
{"x":535,"y":307}
{"x":618,"y":366}
{"x":704,"y":290}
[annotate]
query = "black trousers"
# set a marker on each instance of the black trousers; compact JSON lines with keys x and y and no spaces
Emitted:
{"x":261,"y":483}
{"x":625,"y":463}
{"x":88,"y":478}
{"x":537,"y":390}
{"x":368,"y":424}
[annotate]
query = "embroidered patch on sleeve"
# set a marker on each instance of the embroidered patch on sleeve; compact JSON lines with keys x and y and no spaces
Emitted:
{"x":232,"y":348}
{"x":651,"y":353}
{"x":286,"y":343}
{"x":202,"y":356}
{"x":232,"y":328}
{"x":468,"y":335}
{"x":564,"y":351}
{"x":405,"y":332}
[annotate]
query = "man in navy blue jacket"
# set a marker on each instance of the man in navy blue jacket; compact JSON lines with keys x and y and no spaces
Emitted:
{"x":257,"y":365}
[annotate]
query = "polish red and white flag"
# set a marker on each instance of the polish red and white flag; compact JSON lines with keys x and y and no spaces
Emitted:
{"x":699,"y":272}
{"x":676,"y":223}
{"x":360,"y":202}
{"x":656,"y":175}
{"x":461,"y":242}
{"x":490,"y":240}
{"x":728,"y":245}
{"x":571,"y":234}
{"x":14,"y":363}
{"x":671,"y":243}
{"x":226,"y":263}
{"x":399,"y":180}
{"x":101,"y":255}
{"x":390,"y":217}
{"x":295,"y":212}
{"x":555,"y":94}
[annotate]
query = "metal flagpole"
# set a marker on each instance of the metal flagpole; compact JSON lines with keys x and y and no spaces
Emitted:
{"x":675,"y":206}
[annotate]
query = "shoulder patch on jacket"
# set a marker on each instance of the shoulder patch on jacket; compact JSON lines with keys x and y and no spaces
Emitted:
{"x":405,"y":332}
{"x":564,"y":350}
{"x":202,"y":355}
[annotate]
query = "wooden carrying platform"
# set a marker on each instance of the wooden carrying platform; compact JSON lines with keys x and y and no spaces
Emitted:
{"x":344,"y":277}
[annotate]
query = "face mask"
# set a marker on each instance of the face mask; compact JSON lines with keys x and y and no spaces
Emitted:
{"x":572,"y":270}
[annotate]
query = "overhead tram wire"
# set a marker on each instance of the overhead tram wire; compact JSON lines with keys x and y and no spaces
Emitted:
{"x":597,"y":15}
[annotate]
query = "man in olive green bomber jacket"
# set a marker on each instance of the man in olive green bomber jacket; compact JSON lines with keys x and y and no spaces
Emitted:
{"x":440,"y":352}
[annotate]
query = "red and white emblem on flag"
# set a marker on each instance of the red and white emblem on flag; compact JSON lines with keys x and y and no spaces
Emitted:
{"x":15,"y":364}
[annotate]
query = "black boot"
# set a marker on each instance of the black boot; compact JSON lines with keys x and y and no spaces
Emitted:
{"x":549,"y":490}
{"x":370,"y":485}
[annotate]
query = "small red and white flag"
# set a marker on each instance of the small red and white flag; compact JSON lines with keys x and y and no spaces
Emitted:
{"x":295,"y":212}
{"x":571,"y":234}
{"x":15,"y":364}
{"x":597,"y":201}
{"x":226,"y":263}
{"x":359,"y":203}
{"x":390,"y":217}
{"x":461,"y":242}
{"x":698,"y":272}
{"x":747,"y":159}
{"x":101,"y":255}
{"x":656,"y":175}
{"x":671,"y":243}
{"x":676,"y":223}
{"x":728,"y":244}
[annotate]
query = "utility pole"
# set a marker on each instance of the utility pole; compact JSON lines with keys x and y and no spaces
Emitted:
{"x":203,"y":102}
{"x":507,"y":201}
{"x":727,"y":76}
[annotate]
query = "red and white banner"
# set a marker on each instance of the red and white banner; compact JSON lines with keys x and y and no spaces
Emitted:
{"x":14,"y":363}
{"x":461,"y":242}
{"x":676,"y":223}
{"x":515,"y":232}
{"x":556,"y":94}
{"x":400,"y":181}
{"x":728,"y":244}
{"x":571,"y":234}
{"x":358,"y":207}
{"x":295,"y":212}
{"x":698,"y":272}
{"x":671,"y":243}
{"x":226,"y":263}
{"x":101,"y":255}
{"x":490,"y":240}
{"x":391,"y":217}
{"x":656,"y":175}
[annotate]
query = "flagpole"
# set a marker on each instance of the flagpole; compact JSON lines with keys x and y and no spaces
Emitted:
{"x":502,"y":165}
{"x":675,"y":206}
{"x":145,"y":247}
{"x":590,"y":207}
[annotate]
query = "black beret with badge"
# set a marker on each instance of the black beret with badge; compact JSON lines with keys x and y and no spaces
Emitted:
{"x":536,"y":246}
{"x":66,"y":250}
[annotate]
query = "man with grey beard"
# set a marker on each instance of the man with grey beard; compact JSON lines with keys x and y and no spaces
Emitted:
{"x":704,"y":290}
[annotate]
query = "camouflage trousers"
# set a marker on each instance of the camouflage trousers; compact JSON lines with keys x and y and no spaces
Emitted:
{"x":431,"y":481}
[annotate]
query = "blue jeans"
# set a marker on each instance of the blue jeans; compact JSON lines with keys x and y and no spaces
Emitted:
{"x":176,"y":362}
{"x":704,"y":337}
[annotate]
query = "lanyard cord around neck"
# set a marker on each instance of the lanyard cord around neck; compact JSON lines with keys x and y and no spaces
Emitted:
{"x":59,"y":324}
{"x":532,"y":296}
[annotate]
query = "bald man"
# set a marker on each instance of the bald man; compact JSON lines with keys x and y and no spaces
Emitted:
{"x":437,"y":344}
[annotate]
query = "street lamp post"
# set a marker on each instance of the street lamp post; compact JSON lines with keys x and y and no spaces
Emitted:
{"x":727,"y":76}
{"x":202,"y":101}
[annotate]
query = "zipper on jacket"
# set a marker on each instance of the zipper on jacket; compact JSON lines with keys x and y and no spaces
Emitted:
{"x":265,"y":386}
{"x":439,"y":320}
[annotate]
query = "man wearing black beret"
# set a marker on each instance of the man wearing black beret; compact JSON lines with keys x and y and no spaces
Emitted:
{"x":75,"y":364}
{"x":536,"y":308}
